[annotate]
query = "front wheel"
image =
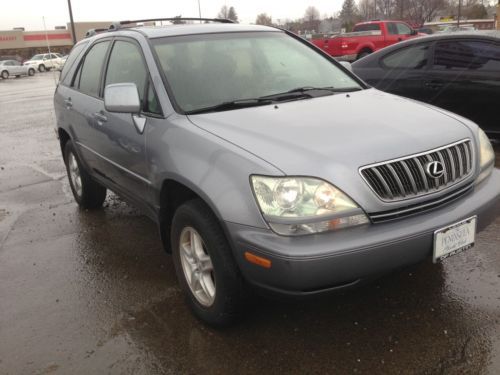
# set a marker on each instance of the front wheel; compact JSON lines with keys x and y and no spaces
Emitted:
{"x":88,"y":193}
{"x":204,"y":265}
{"x":5,"y":74}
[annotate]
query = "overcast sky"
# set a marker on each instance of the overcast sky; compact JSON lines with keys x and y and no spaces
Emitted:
{"x":29,"y":13}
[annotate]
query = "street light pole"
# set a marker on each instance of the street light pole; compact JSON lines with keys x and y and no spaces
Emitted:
{"x":72,"y":23}
{"x":199,"y":9}
{"x":459,"y":13}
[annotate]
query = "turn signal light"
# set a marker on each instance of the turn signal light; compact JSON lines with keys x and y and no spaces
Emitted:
{"x":252,"y":258}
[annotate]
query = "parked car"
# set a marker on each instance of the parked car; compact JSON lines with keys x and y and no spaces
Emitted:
{"x":14,"y":68}
{"x":61,"y":62}
{"x":367,"y":37}
{"x":459,"y":72}
{"x":455,"y":28}
{"x":266,"y":163}
{"x":44,"y":61}
{"x":11,"y":57}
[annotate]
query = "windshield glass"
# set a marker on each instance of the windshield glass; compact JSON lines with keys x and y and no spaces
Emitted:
{"x":37,"y":57}
{"x":207,"y":70}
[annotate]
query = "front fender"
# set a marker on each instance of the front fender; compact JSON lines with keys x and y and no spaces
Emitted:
{"x":213,"y":168}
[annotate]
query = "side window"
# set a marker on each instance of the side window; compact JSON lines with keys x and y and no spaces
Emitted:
{"x":52,"y":56}
{"x":127,"y":65}
{"x":403,"y":29}
{"x":368,"y":27}
{"x":467,"y":55}
{"x":413,"y":57}
{"x":16,"y":63}
{"x":73,"y":55}
{"x":392,"y":28}
{"x":89,"y":75}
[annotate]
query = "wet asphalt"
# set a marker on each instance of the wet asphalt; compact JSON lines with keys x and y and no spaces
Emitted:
{"x":93,"y":292}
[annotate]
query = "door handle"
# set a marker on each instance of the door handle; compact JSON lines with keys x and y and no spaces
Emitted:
{"x":434,"y":85}
{"x":68,"y":103}
{"x":101,"y":119}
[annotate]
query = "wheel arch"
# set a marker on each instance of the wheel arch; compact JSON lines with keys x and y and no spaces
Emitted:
{"x":173,"y":193}
{"x":64,"y":137}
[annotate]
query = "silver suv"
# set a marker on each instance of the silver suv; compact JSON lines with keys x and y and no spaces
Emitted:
{"x":266,"y":163}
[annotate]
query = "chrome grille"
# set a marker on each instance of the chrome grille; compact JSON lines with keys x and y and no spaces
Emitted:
{"x":406,"y":177}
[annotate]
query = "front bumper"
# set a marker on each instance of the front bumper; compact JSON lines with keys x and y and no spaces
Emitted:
{"x":328,"y":261}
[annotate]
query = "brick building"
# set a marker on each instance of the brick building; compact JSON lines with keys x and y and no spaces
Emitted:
{"x":25,"y":44}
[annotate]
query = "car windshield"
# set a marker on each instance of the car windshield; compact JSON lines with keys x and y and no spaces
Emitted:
{"x":205,"y":71}
{"x":37,"y":57}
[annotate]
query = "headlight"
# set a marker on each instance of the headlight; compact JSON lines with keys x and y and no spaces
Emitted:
{"x":298,"y":205}
{"x":486,"y":156}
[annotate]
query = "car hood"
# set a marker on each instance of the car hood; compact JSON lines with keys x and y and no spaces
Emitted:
{"x":331,"y":137}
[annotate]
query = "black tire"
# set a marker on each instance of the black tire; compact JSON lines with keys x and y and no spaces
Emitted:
{"x":18,"y":76}
{"x":41,"y":68}
{"x":31,"y":72}
{"x":363,"y":54}
{"x":5,"y":74}
{"x":229,"y":286}
{"x":90,"y":195}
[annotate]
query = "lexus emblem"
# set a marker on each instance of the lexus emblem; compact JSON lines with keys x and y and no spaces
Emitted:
{"x":434,"y":169}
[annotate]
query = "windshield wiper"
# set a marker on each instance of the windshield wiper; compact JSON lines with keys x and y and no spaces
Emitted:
{"x":235,"y":104}
{"x":309,"y":92}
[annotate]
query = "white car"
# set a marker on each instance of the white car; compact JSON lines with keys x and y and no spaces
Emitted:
{"x":61,"y":62}
{"x":44,"y":61}
{"x":14,"y":68}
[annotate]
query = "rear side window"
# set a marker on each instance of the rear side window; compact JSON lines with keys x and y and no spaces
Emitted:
{"x":413,"y":57}
{"x":73,"y":55}
{"x":368,"y":27}
{"x":467,"y":55}
{"x":89,"y":74}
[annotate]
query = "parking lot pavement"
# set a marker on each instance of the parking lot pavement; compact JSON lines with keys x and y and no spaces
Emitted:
{"x":93,"y":292}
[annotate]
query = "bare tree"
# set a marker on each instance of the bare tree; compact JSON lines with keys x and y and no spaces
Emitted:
{"x":228,"y":13}
{"x":349,"y":14}
{"x":420,"y":11}
{"x":311,"y":18}
{"x":232,"y":15}
{"x":264,"y":19}
{"x":367,"y":9}
{"x":224,"y":12}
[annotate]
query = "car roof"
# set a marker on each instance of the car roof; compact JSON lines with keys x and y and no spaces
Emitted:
{"x":185,"y":29}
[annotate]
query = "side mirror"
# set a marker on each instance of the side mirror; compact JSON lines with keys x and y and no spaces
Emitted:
{"x":347,"y":65}
{"x":413,"y":32}
{"x":122,"y":98}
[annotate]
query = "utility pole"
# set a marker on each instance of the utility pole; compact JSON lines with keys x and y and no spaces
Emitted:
{"x":72,"y":23}
{"x":459,"y":12}
{"x":199,"y":9}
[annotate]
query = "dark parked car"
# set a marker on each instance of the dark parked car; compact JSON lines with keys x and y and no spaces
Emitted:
{"x":459,"y":72}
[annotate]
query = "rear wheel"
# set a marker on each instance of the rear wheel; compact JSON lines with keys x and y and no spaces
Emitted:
{"x":363,"y":54}
{"x":87,"y":192}
{"x":41,"y":68}
{"x":5,"y":74}
{"x":204,"y":265}
{"x":31,"y":72}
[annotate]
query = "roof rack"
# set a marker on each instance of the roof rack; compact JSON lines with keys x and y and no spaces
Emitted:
{"x":93,"y":32}
{"x":118,"y":25}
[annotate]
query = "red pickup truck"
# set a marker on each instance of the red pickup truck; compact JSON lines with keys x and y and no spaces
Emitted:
{"x":367,"y":37}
